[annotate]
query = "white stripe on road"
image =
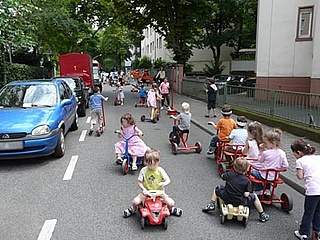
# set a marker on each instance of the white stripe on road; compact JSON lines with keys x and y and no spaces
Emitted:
{"x":83,"y":135}
{"x":70,"y":169}
{"x":47,"y":229}
{"x":88,"y":120}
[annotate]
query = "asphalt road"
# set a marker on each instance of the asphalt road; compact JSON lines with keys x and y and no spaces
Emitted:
{"x":43,"y":199}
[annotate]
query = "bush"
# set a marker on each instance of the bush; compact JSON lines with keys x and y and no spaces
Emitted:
{"x":145,"y":63}
{"x":213,"y":68}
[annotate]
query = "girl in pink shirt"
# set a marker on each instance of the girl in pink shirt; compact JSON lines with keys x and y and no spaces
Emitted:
{"x":165,"y":90}
{"x":308,"y":168}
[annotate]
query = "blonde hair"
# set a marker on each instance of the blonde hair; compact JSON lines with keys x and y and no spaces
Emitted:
{"x":151,"y":156}
{"x":241,"y":165}
{"x":185,"y":107}
{"x":273,"y":136}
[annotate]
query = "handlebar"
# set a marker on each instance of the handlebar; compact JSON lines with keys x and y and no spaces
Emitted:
{"x":153,"y":193}
{"x":123,"y":136}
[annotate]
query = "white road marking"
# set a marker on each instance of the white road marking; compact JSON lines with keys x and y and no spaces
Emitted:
{"x":47,"y":229}
{"x":71,"y":166}
{"x":83,"y":135}
{"x":88,"y":120}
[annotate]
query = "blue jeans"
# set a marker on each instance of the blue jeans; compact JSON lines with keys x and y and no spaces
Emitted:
{"x":213,"y":142}
{"x":311,"y":215}
{"x":258,"y":186}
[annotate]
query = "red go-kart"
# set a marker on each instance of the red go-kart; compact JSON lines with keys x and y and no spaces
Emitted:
{"x":154,"y":212}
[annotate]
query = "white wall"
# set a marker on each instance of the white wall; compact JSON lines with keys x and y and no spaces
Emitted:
{"x":278,"y":54}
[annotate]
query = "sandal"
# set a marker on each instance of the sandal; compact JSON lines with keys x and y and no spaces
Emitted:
{"x":128,"y":212}
{"x":176,"y":211}
{"x":119,"y":161}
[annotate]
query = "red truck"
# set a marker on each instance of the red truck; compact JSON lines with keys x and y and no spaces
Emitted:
{"x":77,"y":65}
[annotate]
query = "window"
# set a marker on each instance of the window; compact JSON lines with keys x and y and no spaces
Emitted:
{"x":305,"y":20}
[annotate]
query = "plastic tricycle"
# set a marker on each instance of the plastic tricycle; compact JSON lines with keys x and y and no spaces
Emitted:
{"x":126,"y":164}
{"x":229,"y":212}
{"x":182,"y":136}
{"x":154,"y":212}
{"x":156,"y":117}
{"x":285,"y":200}
{"x":142,"y":103}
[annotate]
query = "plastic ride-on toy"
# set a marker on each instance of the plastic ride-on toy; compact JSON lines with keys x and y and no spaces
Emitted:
{"x":142,"y":103}
{"x":154,"y":212}
{"x":182,"y":136}
{"x":156,"y":117}
{"x":126,"y":164}
{"x":226,"y":161}
{"x":285,"y":200}
{"x":229,"y":212}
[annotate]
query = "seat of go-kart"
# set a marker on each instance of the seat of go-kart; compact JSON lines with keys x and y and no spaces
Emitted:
{"x":184,"y":131}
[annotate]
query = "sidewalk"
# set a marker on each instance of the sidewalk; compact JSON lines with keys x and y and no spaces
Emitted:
{"x":199,"y":110}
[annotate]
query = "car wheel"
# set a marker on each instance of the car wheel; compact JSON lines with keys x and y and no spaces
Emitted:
{"x":74,"y":125}
{"x":60,"y":148}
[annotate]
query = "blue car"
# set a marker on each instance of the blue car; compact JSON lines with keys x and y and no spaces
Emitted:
{"x":35,"y":115}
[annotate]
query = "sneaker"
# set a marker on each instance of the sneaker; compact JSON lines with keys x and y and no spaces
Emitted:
{"x":206,"y":115}
{"x":263,"y":217}
{"x":90,"y":132}
{"x":176,"y":211}
{"x":317,"y":235}
{"x":161,"y":108}
{"x":209,"y":207}
{"x":298,"y":235}
{"x":98,"y":133}
{"x":119,"y":161}
{"x":134,"y":167}
{"x":210,"y":152}
{"x":214,"y":115}
{"x":128,"y":212}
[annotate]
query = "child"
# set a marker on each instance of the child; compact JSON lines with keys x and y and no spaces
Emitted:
{"x":164,"y":90}
{"x":96,"y":111}
{"x":212,"y":95}
{"x":137,"y":147}
{"x":251,"y":148}
{"x":142,"y":94}
{"x":152,"y":97}
{"x":120,"y":93}
{"x":237,"y":190}
{"x":224,"y":128}
{"x":271,"y":156}
{"x":308,"y":168}
{"x":152,"y":177}
{"x":184,"y":117}
{"x":238,"y":136}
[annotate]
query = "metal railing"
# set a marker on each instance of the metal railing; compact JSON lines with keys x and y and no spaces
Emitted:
{"x":302,"y":108}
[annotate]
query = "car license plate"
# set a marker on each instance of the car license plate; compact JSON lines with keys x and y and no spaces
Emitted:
{"x":11,"y":145}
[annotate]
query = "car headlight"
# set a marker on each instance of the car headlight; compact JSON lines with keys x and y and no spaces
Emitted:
{"x":41,"y":130}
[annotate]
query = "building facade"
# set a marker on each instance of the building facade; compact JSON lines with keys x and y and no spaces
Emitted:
{"x":288,"y":45}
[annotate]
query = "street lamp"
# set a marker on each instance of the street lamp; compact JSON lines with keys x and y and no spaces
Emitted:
{"x":97,"y":56}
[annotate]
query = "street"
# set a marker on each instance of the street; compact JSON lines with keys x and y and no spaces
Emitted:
{"x":82,"y":195}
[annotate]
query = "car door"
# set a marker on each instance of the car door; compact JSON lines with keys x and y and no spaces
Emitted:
{"x":68,"y":110}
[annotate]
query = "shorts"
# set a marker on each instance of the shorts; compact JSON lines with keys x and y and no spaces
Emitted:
{"x":248,"y":201}
{"x":143,"y":197}
{"x":211,"y":104}
{"x":96,"y":116}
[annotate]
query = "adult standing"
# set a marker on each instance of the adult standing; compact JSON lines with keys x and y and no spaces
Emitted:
{"x":160,"y":75}
{"x":165,"y":90}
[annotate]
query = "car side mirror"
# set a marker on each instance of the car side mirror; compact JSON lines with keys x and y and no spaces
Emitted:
{"x":66,"y":102}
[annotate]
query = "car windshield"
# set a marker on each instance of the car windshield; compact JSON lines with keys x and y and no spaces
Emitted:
{"x":32,"y":95}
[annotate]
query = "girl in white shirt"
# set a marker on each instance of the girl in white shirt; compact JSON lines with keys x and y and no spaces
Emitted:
{"x":308,"y":168}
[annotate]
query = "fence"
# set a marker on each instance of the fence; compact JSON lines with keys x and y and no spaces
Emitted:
{"x":302,"y":108}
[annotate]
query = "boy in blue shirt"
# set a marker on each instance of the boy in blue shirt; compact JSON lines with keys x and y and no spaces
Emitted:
{"x":142,"y":95}
{"x":96,"y":111}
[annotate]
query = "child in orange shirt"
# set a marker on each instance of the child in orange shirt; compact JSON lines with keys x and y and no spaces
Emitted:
{"x":224,"y":128}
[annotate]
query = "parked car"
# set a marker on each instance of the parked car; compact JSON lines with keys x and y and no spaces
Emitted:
{"x":80,"y":90}
{"x":236,"y":80}
{"x":221,"y":80}
{"x":249,"y":82}
{"x":35,"y":116}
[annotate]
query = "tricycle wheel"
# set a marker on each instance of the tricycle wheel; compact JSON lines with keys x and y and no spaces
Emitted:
{"x":245,"y":221}
{"x":143,"y":118}
{"x":222,"y":218}
{"x":115,"y":103}
{"x":170,"y":137}
{"x":174,"y":148}
{"x":286,"y":202}
{"x":165,"y":223}
{"x":125,"y":166}
{"x":222,"y":168}
{"x":198,"y":147}
{"x":143,"y":222}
